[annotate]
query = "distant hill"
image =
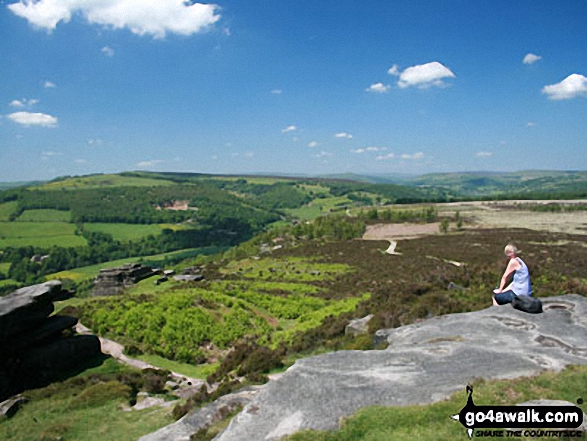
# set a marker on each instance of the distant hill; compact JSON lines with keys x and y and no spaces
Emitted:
{"x":536,"y":183}
{"x":8,"y":185}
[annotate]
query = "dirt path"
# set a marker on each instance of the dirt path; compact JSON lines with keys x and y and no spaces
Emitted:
{"x":115,"y":349}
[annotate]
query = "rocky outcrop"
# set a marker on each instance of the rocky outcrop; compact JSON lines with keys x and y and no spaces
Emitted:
{"x":112,"y":281}
{"x":424,"y":363}
{"x":36,"y":349}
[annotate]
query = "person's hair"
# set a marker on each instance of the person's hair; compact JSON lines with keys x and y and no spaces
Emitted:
{"x":510,"y":248}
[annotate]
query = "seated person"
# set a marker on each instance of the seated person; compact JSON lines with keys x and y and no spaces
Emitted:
{"x":520,"y":286}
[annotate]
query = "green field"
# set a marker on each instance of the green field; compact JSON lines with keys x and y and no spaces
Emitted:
{"x":6,"y":209}
{"x":45,"y":215}
{"x":39,"y":234}
{"x":101,"y":181}
{"x":124,"y":232}
{"x":4,"y":267}
{"x":319,"y":207}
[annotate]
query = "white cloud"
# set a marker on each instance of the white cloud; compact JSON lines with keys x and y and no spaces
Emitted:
{"x":51,"y":154}
{"x":343,"y":135}
{"x":81,"y":161}
{"x":107,"y":51}
{"x":142,"y":17}
{"x":288,"y":129}
{"x":23,"y":103}
{"x":359,"y":151}
{"x":530,"y":124}
{"x":376,"y":149}
{"x":418,"y":155}
{"x":323,"y":154}
{"x":95,"y":141}
{"x":385,"y":157}
{"x":312,"y":144}
{"x":571,"y":87}
{"x":394,"y":70}
{"x":295,"y":139}
{"x":276,"y":91}
{"x":378,"y":88}
{"x":531,"y":59}
{"x":49,"y":85}
{"x":33,"y":119}
{"x":484,"y":154}
{"x":150,"y":163}
{"x":425,"y":75}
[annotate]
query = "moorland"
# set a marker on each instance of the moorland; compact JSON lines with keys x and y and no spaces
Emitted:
{"x":287,"y":265}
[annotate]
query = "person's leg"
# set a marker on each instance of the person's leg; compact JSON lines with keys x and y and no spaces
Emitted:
{"x":504,"y":298}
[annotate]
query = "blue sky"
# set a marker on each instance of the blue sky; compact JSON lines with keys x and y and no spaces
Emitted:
{"x":92,"y":86}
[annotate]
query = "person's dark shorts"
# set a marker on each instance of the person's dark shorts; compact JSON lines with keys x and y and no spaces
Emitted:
{"x":504,"y":297}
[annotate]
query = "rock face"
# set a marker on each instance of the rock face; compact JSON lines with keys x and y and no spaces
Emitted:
{"x":33,"y":347}
{"x":425,"y":362}
{"x":112,"y":281}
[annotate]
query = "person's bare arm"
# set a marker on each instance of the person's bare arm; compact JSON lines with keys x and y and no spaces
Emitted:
{"x":513,"y":265}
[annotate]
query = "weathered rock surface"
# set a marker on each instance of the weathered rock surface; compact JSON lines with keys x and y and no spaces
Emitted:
{"x":34,"y":349}
{"x":425,"y":362}
{"x":358,"y":326}
{"x":184,"y":428}
{"x":9,"y":407}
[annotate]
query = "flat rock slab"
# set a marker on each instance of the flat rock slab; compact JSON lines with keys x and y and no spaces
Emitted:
{"x":424,"y":363}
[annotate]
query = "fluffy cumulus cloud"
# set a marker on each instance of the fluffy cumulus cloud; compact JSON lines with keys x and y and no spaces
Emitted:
{"x":33,"y":119}
{"x":23,"y":103}
{"x":425,"y":75}
{"x":343,"y":135}
{"x":49,"y":85}
{"x":323,"y":154}
{"x":289,"y":129}
{"x":484,"y":154}
{"x":276,"y":91}
{"x":142,"y":17}
{"x":531,"y":59}
{"x":572,"y":86}
{"x":369,"y":149}
{"x":312,"y":144}
{"x":378,"y":88}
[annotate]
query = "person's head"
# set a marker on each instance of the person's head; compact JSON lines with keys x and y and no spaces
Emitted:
{"x":511,"y":250}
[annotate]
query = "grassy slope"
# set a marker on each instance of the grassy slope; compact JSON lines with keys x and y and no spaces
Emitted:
{"x":99,"y":181}
{"x":83,"y":413}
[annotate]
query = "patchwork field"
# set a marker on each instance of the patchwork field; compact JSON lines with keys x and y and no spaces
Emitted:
{"x":100,"y":181}
{"x":6,"y":209}
{"x":39,"y":234}
{"x":124,"y":232}
{"x":45,"y":215}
